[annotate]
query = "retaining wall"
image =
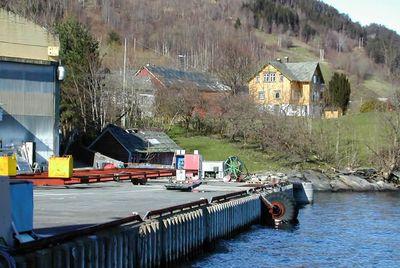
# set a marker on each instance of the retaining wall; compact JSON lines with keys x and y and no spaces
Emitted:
{"x":156,"y":241}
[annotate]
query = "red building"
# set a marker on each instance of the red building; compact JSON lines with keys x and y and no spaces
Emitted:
{"x":211,"y":90}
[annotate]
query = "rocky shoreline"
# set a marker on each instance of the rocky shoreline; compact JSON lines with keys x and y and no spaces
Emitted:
{"x":361,"y":180}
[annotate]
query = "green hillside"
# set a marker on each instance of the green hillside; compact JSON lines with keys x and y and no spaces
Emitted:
{"x":358,"y":135}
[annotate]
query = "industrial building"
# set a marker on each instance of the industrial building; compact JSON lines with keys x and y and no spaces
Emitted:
{"x":29,"y":88}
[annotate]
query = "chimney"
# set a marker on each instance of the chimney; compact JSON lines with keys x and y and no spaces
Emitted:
{"x":279,"y":60}
{"x":286,"y":59}
{"x":182,"y":59}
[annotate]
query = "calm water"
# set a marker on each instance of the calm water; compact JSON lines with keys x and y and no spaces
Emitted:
{"x":338,"y":230}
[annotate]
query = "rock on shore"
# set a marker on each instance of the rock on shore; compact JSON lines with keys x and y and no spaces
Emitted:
{"x":333,"y":182}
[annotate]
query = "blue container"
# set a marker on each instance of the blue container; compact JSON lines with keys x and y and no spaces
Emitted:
{"x":21,"y":193}
{"x":180,"y":161}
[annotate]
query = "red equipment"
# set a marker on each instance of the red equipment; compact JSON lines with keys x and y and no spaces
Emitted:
{"x":135,"y":175}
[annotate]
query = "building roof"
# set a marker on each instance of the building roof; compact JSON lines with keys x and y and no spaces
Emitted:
{"x":142,"y":141}
{"x":296,"y":71}
{"x":24,"y":40}
{"x":177,"y":78}
{"x":157,"y":141}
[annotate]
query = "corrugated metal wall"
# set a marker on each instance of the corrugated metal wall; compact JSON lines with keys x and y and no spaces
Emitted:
{"x":29,"y":97}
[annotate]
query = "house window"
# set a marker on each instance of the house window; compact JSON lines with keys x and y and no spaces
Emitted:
{"x":277,"y":94}
{"x":257,"y":79}
{"x":272,"y":78}
{"x":266,"y":78}
{"x":261,"y":95}
{"x":281,"y":78}
{"x":315,"y":96}
{"x":269,"y":77}
{"x":315,"y":79}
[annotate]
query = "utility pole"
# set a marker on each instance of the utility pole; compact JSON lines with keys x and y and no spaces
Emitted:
{"x":124,"y":89}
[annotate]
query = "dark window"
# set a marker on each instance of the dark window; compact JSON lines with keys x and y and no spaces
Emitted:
{"x":261,"y":95}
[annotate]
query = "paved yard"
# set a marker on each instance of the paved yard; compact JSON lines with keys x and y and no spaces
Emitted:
{"x":62,"y":209}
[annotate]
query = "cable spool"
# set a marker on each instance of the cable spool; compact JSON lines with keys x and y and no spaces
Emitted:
{"x":234,"y":167}
{"x":279,"y":208}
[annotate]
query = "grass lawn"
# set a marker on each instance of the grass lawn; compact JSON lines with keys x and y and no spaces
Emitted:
{"x":355,"y":132}
{"x":212,"y":148}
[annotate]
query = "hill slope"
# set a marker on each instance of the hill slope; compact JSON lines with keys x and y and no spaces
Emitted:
{"x":158,"y":31}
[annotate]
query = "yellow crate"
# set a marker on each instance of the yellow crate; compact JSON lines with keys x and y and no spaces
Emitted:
{"x":8,"y":166}
{"x":60,"y":167}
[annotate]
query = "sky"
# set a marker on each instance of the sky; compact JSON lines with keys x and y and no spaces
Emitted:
{"x":385,"y":12}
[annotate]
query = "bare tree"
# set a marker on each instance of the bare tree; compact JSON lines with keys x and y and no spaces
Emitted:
{"x":178,"y":104}
{"x":234,"y":64}
{"x":387,"y":155}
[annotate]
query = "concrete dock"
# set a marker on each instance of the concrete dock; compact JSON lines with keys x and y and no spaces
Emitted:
{"x":60,"y":209}
{"x":161,"y":238}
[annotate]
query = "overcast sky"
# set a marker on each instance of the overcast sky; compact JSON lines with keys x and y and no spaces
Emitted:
{"x":386,"y":12}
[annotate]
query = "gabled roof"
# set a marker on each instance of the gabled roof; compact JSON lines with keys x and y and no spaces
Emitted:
{"x":177,"y":78}
{"x":140,"y":141}
{"x":296,"y":71}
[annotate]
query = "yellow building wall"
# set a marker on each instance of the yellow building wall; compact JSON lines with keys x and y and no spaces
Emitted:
{"x":330,"y":114}
{"x":295,"y":93}
{"x":20,"y":38}
{"x":306,"y":93}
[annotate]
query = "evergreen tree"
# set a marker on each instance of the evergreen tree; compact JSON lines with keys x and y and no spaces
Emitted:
{"x":237,"y":24}
{"x":80,"y":55}
{"x":338,"y":95}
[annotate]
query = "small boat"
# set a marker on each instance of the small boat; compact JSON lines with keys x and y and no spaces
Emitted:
{"x":185,"y":186}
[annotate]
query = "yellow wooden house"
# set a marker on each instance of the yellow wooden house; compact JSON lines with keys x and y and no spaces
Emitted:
{"x":293,"y":89}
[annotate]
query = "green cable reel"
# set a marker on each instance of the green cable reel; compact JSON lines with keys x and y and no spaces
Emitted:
{"x":234,"y":167}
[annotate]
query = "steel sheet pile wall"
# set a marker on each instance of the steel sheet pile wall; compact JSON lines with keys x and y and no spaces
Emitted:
{"x":155,"y":242}
{"x":116,"y":248}
{"x":166,"y":240}
{"x":226,"y":218}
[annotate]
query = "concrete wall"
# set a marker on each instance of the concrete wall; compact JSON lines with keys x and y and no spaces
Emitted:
{"x":155,"y":242}
{"x":29,"y":98}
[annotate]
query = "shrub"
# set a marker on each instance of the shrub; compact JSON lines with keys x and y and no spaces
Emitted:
{"x":113,"y":38}
{"x":373,"y":106}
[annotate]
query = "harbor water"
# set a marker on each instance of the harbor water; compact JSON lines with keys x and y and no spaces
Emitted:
{"x":338,"y":230}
